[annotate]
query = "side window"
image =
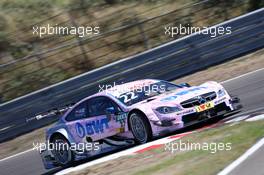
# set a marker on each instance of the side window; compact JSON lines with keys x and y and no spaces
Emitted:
{"x":98,"y":105}
{"x":79,"y":112}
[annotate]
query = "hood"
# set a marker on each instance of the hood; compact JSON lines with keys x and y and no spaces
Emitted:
{"x":174,"y":98}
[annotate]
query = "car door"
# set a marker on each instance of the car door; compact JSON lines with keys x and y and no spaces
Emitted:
{"x":76,"y":123}
{"x":106,"y":114}
{"x":94,"y":119}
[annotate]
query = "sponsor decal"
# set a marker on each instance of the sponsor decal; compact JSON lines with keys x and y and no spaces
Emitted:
{"x":121,"y":118}
{"x":92,"y":127}
{"x":120,"y":130}
{"x":80,"y":130}
{"x":186,"y":112}
{"x":173,"y":97}
{"x":190,"y":90}
{"x":204,"y":107}
{"x":128,"y":96}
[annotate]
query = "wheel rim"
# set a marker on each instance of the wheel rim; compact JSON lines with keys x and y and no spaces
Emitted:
{"x":62,"y":152}
{"x":138,"y":128}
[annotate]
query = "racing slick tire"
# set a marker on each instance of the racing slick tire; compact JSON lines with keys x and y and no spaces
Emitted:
{"x":140,"y":128}
{"x":61,"y":151}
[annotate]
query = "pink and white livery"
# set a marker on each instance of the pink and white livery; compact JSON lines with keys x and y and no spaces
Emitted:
{"x":138,"y":110}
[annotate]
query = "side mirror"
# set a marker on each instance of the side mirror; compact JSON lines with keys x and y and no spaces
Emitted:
{"x":185,"y":85}
{"x":110,"y":110}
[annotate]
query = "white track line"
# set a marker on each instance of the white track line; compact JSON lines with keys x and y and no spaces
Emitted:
{"x":240,"y":76}
{"x":242,"y":158}
{"x":256,"y":118}
{"x":15,"y":155}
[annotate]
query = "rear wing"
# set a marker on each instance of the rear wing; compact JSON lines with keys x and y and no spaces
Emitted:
{"x":51,"y":113}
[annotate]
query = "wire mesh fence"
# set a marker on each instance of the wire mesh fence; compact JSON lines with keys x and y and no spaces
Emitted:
{"x":124,"y":31}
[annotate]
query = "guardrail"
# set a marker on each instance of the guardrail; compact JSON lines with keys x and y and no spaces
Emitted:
{"x":123,"y":32}
{"x":169,"y":61}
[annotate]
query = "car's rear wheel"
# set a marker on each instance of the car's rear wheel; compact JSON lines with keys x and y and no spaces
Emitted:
{"x":140,"y":128}
{"x":61,"y":150}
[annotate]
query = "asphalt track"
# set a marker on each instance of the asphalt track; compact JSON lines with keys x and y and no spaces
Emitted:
{"x":249,"y":88}
{"x":252,"y":165}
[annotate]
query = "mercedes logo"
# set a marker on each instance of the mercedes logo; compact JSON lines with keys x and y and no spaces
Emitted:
{"x":201,"y":99}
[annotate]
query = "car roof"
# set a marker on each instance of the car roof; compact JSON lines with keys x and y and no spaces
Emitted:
{"x":118,"y":90}
{"x":112,"y":90}
{"x":127,"y":87}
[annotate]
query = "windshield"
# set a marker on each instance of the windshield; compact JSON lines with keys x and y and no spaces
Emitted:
{"x":146,"y":92}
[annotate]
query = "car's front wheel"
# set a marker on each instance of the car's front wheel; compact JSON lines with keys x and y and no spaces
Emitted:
{"x":140,"y":128}
{"x":61,"y":151}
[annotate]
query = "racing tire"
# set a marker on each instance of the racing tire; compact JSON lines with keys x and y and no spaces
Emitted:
{"x":61,"y":151}
{"x":140,"y":128}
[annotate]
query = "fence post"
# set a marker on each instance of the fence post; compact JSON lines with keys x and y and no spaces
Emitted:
{"x":142,"y":32}
{"x":38,"y":56}
{"x":80,"y":43}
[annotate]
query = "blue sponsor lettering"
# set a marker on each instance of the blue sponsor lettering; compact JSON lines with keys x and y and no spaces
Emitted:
{"x":92,"y":127}
{"x":89,"y":129}
{"x":169,"y":98}
{"x":80,"y":130}
{"x":189,"y":90}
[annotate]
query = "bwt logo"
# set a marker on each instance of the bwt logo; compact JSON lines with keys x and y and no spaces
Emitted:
{"x":92,"y":127}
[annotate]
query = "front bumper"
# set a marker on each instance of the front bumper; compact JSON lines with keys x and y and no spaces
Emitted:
{"x":223,"y":106}
{"x":218,"y":110}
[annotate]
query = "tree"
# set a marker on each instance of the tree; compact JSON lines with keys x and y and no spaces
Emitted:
{"x":255,"y":4}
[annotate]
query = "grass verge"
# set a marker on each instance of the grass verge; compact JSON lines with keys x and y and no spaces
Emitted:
{"x":160,"y":161}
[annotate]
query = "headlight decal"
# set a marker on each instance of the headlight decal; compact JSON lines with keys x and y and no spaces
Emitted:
{"x":167,"y":109}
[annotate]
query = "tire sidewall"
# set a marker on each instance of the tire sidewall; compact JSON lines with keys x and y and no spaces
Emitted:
{"x":70,"y":153}
{"x":145,"y":123}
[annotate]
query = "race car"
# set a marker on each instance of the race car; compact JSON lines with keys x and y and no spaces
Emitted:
{"x":140,"y":110}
